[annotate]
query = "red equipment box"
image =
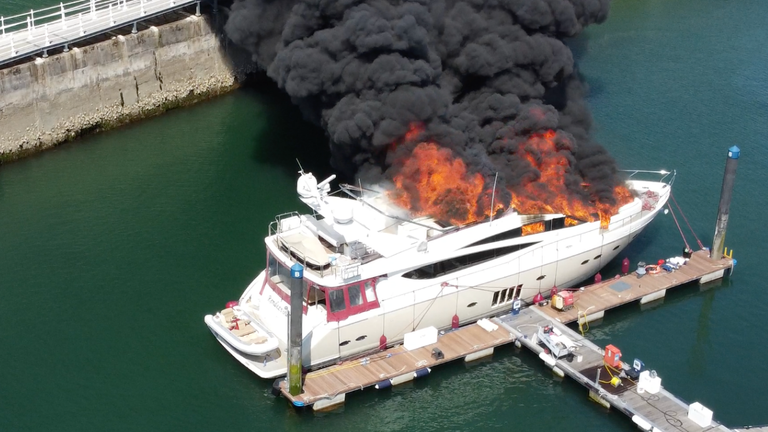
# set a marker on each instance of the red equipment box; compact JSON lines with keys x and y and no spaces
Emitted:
{"x":612,"y":356}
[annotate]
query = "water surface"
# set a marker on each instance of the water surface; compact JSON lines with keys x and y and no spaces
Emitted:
{"x":114,"y":247}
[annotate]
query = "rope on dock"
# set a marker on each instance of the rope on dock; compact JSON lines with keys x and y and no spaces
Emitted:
{"x":687,"y":246}
{"x":701,"y":246}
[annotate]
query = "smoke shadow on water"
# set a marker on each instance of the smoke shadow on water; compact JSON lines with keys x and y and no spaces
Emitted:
{"x":290,"y":136}
{"x":593,"y":84}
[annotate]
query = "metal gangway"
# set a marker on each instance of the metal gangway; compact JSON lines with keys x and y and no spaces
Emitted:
{"x":37,"y":31}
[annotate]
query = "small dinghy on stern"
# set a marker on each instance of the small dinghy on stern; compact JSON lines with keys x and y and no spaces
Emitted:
{"x":241,"y":331}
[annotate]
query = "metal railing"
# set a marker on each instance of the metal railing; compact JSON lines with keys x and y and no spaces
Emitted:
{"x":667,"y":177}
{"x":38,"y":31}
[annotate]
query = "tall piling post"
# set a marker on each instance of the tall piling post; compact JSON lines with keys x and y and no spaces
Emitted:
{"x":718,"y":243}
{"x":294,"y":330}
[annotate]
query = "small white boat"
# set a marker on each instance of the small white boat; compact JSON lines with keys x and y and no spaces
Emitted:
{"x":241,"y":331}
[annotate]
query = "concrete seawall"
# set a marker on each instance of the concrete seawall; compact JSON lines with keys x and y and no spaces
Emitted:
{"x":48,"y":101}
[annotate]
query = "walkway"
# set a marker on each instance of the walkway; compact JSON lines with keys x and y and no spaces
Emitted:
{"x":38,"y":31}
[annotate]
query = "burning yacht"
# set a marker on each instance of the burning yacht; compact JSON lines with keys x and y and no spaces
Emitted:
{"x":374,"y":271}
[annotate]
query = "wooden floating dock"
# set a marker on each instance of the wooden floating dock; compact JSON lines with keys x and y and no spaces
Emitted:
{"x":327,"y":388}
{"x":661,"y":411}
{"x":591,"y":304}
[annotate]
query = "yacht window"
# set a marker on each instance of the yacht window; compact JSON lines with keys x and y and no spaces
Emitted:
{"x":337,"y":300}
{"x":548,"y":225}
{"x":272,"y":265}
{"x":355,"y":297}
{"x":278,"y":273}
{"x":502,"y":297}
{"x":506,"y":235}
{"x":280,"y":278}
{"x":430,"y":271}
{"x":345,"y":301}
{"x":315,"y":296}
{"x":556,"y":224}
{"x":369,"y":294}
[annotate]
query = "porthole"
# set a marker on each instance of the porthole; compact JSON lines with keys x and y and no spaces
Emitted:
{"x":345,"y":343}
{"x":473,"y":304}
{"x":541,"y":277}
{"x":359,"y":338}
{"x":597,"y":257}
{"x":584,"y":262}
{"x":616,"y":247}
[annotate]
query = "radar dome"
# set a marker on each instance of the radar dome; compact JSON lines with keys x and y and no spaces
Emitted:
{"x":306,"y":186}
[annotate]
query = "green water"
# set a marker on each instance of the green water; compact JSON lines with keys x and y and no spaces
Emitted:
{"x":15,"y":7}
{"x":113,"y":248}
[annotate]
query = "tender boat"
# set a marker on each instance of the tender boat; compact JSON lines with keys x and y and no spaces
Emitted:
{"x":372,"y":273}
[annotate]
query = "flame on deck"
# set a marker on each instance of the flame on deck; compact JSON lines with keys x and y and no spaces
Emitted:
{"x":533,"y":228}
{"x":432,"y":181}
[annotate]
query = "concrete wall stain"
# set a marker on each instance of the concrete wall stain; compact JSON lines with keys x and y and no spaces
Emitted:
{"x":46,"y":102}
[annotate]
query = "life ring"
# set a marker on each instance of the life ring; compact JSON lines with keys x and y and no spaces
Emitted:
{"x":653,"y":269}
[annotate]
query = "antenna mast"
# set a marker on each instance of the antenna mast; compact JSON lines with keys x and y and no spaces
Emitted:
{"x":493,"y":196}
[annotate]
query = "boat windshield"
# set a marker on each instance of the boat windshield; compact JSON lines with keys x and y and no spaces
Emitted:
{"x":279,"y":276}
{"x":351,"y":299}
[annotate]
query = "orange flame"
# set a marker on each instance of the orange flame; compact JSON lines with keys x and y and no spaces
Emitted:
{"x":571,"y":221}
{"x":433,"y":182}
{"x":533,"y":228}
{"x":548,"y":193}
{"x":414,"y":130}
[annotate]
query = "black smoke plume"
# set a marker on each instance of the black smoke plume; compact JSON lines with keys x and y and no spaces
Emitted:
{"x":478,"y":77}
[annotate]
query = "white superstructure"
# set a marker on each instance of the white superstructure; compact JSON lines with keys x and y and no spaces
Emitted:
{"x":371,"y":274}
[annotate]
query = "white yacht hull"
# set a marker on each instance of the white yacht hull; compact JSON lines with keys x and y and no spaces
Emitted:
{"x":480,"y":291}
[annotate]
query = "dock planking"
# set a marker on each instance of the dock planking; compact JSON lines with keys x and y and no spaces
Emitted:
{"x":596,"y":299}
{"x":663,"y":411}
{"x":328,"y":383}
{"x":326,"y":388}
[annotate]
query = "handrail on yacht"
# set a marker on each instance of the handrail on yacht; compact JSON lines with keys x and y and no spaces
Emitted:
{"x":664,"y":174}
{"x":347,"y":188}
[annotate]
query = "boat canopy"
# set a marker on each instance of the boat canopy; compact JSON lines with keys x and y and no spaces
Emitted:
{"x":308,"y":247}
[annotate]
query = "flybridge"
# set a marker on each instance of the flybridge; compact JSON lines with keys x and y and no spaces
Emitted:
{"x":317,"y":196}
{"x":359,"y":226}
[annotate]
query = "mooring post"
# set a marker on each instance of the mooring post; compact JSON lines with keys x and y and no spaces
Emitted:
{"x":718,"y":243}
{"x":294,"y":331}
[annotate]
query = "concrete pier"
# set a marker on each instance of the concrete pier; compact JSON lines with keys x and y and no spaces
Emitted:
{"x":99,"y":86}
